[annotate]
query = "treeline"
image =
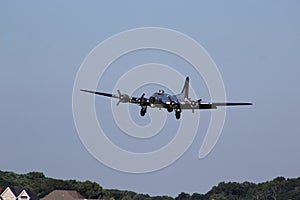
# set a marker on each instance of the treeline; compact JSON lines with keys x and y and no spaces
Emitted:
{"x":41,"y":185}
{"x":278,"y":188}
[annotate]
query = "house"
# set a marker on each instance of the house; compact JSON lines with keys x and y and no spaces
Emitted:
{"x":23,"y":195}
{"x":11,"y":193}
{"x":8,"y":194}
{"x":63,"y":195}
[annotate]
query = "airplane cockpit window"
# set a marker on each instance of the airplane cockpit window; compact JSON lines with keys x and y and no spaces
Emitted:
{"x":160,"y":92}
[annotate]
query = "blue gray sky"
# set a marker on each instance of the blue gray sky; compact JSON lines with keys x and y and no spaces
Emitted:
{"x":255,"y":45}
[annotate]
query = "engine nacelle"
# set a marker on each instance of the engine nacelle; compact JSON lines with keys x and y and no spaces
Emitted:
{"x":194,"y":104}
{"x":170,"y":109}
{"x":152,"y":100}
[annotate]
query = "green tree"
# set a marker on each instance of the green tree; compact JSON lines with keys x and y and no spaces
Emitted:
{"x":197,"y":196}
{"x":89,"y":189}
{"x":217,"y":197}
{"x":183,"y":196}
{"x":126,"y":197}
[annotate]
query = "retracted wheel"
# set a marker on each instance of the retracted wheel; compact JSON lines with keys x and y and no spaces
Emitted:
{"x":177,"y":114}
{"x":143,"y":111}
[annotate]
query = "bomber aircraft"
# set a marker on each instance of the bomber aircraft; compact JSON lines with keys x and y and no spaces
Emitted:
{"x":160,"y":99}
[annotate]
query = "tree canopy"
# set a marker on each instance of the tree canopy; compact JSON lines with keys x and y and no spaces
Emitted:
{"x":37,"y":182}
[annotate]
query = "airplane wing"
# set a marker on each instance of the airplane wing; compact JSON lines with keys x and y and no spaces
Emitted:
{"x":100,"y":93}
{"x":232,"y":104}
{"x":202,"y":105}
{"x":123,"y":98}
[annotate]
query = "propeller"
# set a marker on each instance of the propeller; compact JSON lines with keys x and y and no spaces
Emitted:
{"x":141,"y":100}
{"x":124,"y":98}
{"x":172,"y":102}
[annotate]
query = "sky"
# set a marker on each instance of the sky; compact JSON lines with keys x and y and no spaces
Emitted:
{"x":255,"y":45}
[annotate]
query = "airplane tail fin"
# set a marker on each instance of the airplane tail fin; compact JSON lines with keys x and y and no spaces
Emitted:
{"x":185,"y":90}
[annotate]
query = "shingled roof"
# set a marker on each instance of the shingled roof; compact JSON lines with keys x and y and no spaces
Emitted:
{"x":63,"y":195}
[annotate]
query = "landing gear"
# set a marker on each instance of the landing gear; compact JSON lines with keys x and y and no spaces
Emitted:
{"x":177,"y":114}
{"x":143,"y":111}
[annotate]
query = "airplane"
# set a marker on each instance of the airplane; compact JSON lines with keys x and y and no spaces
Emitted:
{"x":160,"y":99}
